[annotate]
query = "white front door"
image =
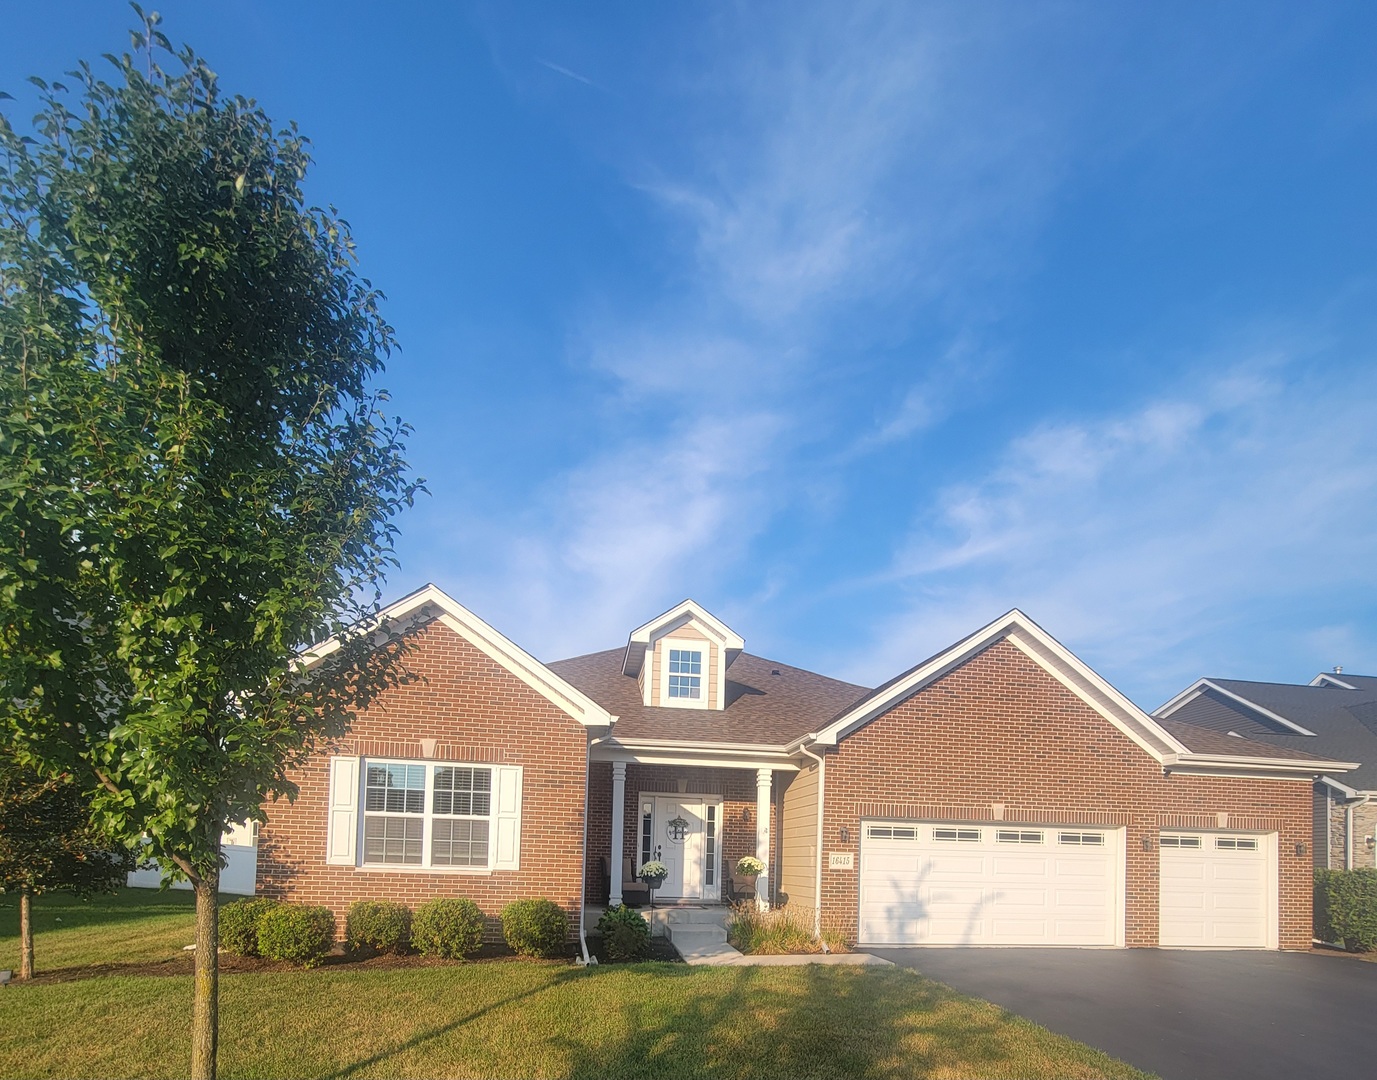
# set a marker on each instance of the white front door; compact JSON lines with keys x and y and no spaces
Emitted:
{"x":684,"y":836}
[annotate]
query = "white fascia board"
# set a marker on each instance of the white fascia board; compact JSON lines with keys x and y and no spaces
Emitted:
{"x":1326,"y":679}
{"x":1185,"y":697}
{"x":685,"y":755}
{"x":1290,"y":765}
{"x":1094,"y":690}
{"x":677,"y":616}
{"x":490,"y":642}
{"x":1044,"y":650}
{"x":1255,"y":707}
{"x":1346,"y":791}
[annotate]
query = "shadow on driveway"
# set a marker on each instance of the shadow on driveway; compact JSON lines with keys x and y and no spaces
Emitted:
{"x":1183,"y":1015}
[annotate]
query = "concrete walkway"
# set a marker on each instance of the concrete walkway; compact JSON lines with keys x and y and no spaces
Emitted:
{"x":851,"y":959}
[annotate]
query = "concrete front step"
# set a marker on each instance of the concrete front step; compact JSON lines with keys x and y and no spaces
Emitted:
{"x":694,"y":937}
{"x":711,"y":916}
{"x":663,"y":920}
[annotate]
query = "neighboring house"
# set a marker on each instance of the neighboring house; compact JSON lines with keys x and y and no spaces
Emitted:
{"x":998,"y":793}
{"x":1334,"y":716}
{"x":238,"y":845}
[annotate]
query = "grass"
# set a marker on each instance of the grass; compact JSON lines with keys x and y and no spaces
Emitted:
{"x":132,"y":926}
{"x":513,"y":1019}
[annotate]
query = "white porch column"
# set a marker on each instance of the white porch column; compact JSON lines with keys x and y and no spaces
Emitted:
{"x":763,"y":779}
{"x":614,"y":863}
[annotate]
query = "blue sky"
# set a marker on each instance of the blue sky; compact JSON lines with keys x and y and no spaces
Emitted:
{"x":860,"y":325}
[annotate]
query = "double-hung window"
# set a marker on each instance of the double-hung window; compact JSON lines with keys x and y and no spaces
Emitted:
{"x":427,"y":815}
{"x":686,"y":674}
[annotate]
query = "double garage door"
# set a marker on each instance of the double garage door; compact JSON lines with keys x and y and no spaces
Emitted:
{"x":938,"y":883}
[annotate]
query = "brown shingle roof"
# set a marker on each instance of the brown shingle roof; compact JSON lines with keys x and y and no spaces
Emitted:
{"x":768,"y":703}
{"x":1203,"y":740}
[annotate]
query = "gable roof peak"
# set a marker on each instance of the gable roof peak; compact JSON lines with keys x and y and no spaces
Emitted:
{"x":681,"y":614}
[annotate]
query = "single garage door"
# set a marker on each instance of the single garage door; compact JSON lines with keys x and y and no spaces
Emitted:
{"x":1218,"y":890}
{"x":933,"y":883}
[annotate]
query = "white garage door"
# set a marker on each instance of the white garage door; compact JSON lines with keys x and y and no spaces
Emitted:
{"x":1218,"y":890}
{"x":929,"y":883}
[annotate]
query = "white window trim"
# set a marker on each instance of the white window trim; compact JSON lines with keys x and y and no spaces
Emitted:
{"x":684,"y":645}
{"x":345,"y":828}
{"x":428,"y":816}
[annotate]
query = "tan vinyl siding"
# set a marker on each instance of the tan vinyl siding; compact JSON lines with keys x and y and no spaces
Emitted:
{"x":691,"y":637}
{"x":798,"y":847}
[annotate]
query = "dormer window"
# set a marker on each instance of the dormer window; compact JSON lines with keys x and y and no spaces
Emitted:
{"x":686,"y":674}
{"x":680,"y":659}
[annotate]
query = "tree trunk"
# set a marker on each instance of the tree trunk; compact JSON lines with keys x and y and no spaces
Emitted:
{"x":25,"y":933}
{"x":205,"y":1006}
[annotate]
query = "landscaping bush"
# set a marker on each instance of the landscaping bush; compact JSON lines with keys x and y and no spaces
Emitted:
{"x":625,"y":934}
{"x":781,"y":930}
{"x":298,"y":933}
{"x":1346,"y":908}
{"x":535,"y":927}
{"x":447,"y":927}
{"x":239,"y":924}
{"x":378,"y":926}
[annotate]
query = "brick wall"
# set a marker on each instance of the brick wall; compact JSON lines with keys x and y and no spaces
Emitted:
{"x":476,"y":711}
{"x":999,"y":729}
{"x":735,"y":786}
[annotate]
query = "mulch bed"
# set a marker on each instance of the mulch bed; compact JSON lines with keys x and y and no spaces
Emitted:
{"x":184,"y":964}
{"x":1335,"y":950}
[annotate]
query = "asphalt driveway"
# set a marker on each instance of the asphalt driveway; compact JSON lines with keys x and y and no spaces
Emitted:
{"x":1183,"y":1015}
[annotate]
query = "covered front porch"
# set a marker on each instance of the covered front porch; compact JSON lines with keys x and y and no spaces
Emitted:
{"x":697,"y":818}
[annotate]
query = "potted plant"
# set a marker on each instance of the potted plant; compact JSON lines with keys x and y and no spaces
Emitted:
{"x":653,"y":874}
{"x":749,"y":868}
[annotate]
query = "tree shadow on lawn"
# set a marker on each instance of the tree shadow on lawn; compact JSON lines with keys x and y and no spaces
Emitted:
{"x":827,"y":1022}
{"x":434,"y":1034}
{"x":749,"y":1023}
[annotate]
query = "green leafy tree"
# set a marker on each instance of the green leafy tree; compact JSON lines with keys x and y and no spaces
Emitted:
{"x":48,"y":843}
{"x":196,"y":478}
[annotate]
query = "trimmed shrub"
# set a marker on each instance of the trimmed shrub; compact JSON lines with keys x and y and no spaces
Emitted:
{"x":299,"y":933}
{"x":535,"y":927}
{"x":239,"y":924}
{"x":378,"y":926}
{"x":625,"y":933}
{"x":1346,"y":908}
{"x":447,"y":927}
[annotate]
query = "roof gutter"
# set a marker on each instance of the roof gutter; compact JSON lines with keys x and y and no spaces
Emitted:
{"x":1290,"y":766}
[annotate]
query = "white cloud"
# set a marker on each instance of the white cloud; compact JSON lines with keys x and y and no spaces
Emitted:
{"x":1181,"y":538}
{"x":828,"y":158}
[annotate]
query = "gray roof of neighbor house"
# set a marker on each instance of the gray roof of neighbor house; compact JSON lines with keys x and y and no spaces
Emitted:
{"x":1344,"y":722}
{"x":768,"y":703}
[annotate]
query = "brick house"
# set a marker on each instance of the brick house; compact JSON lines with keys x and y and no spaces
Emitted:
{"x":1000,"y":792}
{"x":1334,"y":715}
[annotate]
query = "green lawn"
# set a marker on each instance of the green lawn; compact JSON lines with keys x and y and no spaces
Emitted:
{"x":504,"y":1019}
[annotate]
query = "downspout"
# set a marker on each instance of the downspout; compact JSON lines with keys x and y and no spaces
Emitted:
{"x":817,"y":879}
{"x":583,"y":877}
{"x":1349,"y":807}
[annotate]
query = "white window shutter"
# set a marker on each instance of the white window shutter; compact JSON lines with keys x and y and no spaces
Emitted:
{"x":343,"y":830}
{"x":507,"y":817}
